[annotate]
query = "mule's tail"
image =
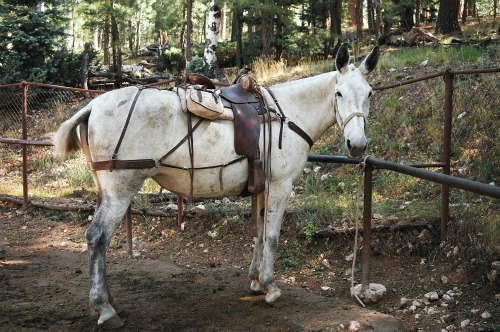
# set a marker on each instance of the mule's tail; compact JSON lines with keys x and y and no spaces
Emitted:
{"x":66,"y":138}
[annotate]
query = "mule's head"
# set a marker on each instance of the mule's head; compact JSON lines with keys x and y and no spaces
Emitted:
{"x":352,"y":98}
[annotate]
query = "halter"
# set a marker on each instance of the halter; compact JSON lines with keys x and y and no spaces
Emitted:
{"x":344,"y":123}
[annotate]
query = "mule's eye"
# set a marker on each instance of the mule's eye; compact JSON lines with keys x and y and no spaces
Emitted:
{"x":338,"y":94}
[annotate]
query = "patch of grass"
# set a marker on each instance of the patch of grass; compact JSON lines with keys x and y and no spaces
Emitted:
{"x":270,"y":71}
{"x":217,"y":210}
{"x":83,"y":218}
{"x":309,"y":226}
{"x":150,"y":186}
{"x":55,"y":215}
{"x":441,"y":57}
{"x":8,"y":156}
{"x":52,"y":175}
{"x":290,"y":256}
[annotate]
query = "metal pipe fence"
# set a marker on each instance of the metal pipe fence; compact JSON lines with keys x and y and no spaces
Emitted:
{"x":20,"y":108}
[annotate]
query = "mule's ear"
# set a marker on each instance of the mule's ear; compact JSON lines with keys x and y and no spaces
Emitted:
{"x":342,"y":59}
{"x":370,"y":61}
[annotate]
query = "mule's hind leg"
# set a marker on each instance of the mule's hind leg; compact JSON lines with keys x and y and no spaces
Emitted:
{"x":119,"y":187}
{"x":258,"y":218}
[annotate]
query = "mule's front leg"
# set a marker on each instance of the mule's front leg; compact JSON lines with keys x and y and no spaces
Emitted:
{"x":277,"y":201}
{"x":107,"y":217}
{"x":258,"y":219}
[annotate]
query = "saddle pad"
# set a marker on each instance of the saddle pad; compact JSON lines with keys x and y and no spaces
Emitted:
{"x":203,"y":103}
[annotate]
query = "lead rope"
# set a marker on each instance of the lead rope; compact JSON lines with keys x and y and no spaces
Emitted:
{"x":362,"y":166}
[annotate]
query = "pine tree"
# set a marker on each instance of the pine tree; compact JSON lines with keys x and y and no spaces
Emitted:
{"x":32,"y":43}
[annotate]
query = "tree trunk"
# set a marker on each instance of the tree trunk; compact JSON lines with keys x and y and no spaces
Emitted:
{"x":131,"y":37}
{"x":378,"y":20}
{"x":464,"y":12}
{"x":211,"y":68}
{"x":223,"y":23}
{"x":117,"y":50}
{"x":97,"y":39}
{"x":371,"y":16}
{"x":280,"y":50}
{"x":236,"y":35}
{"x":182,"y":34}
{"x":138,"y":35}
{"x":406,"y":15}
{"x":447,"y":21}
{"x":189,"y":30}
{"x":351,"y":7}
{"x":418,"y":8}
{"x":336,"y":17}
{"x":495,"y":8}
{"x":471,"y":8}
{"x":84,"y":73}
{"x":105,"y":41}
{"x":266,"y":29}
{"x":359,"y":20}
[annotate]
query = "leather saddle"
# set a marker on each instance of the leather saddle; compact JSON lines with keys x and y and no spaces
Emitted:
{"x":247,"y":105}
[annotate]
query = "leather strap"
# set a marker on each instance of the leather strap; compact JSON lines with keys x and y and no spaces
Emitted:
{"x":115,"y":153}
{"x":291,"y":124}
{"x":123,"y":164}
{"x":301,"y":133}
{"x":181,"y":141}
{"x":191,"y":152}
{"x":221,"y":166}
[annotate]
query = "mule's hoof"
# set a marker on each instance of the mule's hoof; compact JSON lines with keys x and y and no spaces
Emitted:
{"x":273,"y":296}
{"x":112,"y":322}
{"x":255,"y":286}
{"x":116,"y":305}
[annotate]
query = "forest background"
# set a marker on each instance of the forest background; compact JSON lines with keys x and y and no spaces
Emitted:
{"x":44,"y":41}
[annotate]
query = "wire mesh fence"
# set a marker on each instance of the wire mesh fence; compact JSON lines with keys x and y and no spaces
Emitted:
{"x":44,"y":106}
{"x":11,"y":111}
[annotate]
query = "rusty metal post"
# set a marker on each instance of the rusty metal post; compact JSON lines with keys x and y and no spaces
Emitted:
{"x":24,"y":86}
{"x":445,"y":189}
{"x":367,"y":227}
{"x":180,"y":210}
{"x":128,"y":226}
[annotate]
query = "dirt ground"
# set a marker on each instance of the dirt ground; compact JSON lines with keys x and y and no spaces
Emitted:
{"x":196,"y":280}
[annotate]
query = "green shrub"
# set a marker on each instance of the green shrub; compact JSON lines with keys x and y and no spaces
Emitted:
{"x":196,"y":65}
{"x":226,"y":54}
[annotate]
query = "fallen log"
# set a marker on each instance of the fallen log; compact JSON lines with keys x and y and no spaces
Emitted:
{"x":417,"y":34}
{"x":431,"y":225}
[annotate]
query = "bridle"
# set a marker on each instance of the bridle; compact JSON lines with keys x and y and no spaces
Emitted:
{"x":343,"y":123}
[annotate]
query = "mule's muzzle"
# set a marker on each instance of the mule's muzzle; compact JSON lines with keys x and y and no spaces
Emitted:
{"x":356,"y":149}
